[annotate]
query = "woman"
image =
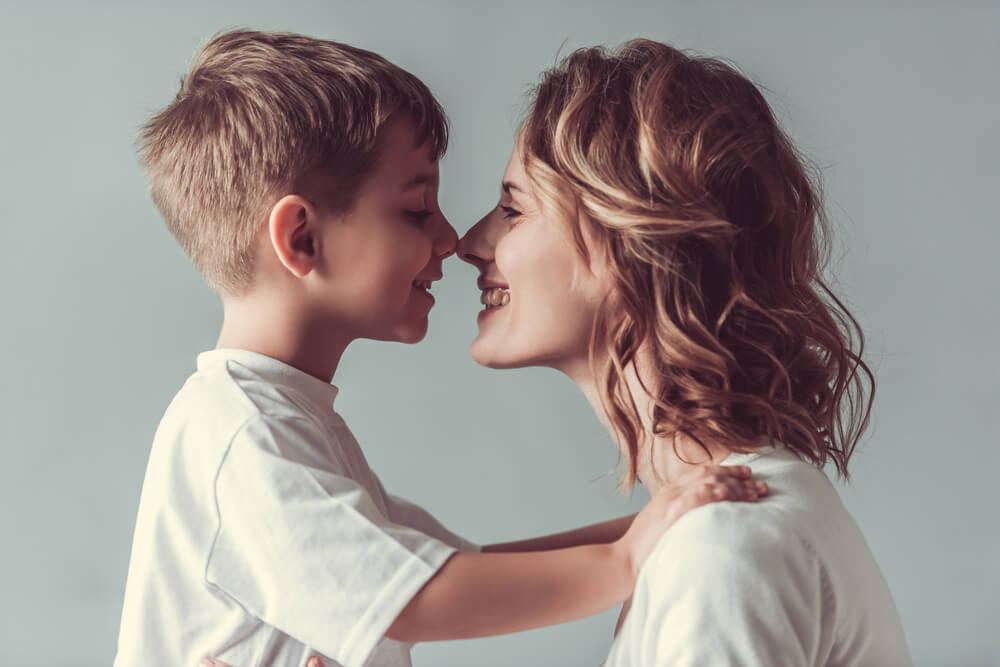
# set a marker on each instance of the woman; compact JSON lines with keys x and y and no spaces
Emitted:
{"x":659,"y":240}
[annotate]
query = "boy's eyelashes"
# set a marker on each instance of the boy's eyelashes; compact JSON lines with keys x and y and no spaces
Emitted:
{"x":418,"y":216}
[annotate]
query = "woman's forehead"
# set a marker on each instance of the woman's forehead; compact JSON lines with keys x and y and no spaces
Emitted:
{"x":515,"y":180}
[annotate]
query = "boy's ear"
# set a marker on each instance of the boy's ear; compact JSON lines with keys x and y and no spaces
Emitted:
{"x":293,"y":230}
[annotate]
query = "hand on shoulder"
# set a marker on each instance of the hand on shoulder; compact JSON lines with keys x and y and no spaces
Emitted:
{"x":699,"y":486}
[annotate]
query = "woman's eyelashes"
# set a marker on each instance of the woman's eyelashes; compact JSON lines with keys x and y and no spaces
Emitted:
{"x":509,"y":213}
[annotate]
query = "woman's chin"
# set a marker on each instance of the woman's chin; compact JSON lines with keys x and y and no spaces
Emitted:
{"x":487,"y":354}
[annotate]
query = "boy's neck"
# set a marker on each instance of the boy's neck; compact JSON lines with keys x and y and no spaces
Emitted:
{"x":280,"y":328}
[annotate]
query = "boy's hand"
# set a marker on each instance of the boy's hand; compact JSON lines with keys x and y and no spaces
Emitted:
{"x":697,"y":487}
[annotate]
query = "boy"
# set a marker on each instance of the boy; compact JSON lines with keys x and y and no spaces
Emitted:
{"x":300,"y":176}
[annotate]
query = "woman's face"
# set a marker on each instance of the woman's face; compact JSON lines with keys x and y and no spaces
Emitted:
{"x":540,"y":296}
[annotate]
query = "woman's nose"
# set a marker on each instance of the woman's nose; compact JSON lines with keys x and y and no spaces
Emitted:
{"x":474,"y":247}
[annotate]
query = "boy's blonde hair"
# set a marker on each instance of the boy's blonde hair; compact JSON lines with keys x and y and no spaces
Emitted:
{"x":714,"y":232}
{"x":261,"y":115}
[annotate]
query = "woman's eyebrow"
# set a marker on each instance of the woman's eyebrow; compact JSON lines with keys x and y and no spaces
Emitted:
{"x":508,"y":186}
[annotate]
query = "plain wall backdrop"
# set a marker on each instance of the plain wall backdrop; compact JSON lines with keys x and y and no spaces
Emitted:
{"x":103,"y":315}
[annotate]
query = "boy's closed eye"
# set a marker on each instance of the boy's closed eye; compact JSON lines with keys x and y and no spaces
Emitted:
{"x":418,"y":216}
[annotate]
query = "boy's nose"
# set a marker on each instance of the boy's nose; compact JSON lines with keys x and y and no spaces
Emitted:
{"x":446,"y":239}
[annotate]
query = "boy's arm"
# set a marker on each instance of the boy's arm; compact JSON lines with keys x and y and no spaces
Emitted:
{"x":598,"y":533}
{"x":480,"y":595}
{"x":498,"y":593}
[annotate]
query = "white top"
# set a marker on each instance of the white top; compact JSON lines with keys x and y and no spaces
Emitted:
{"x":263,"y":537}
{"x":786,"y":581}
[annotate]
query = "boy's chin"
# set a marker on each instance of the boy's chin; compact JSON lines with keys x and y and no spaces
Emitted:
{"x":411,"y":334}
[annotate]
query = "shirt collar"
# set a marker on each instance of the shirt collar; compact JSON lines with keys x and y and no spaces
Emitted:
{"x":318,"y":391}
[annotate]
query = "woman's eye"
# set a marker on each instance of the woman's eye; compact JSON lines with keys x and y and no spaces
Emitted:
{"x":418,"y":216}
{"x":509,"y":212}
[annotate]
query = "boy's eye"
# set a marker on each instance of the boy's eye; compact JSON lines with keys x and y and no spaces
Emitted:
{"x":418,"y":216}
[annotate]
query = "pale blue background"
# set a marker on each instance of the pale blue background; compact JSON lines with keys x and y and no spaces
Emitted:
{"x":103,"y":316}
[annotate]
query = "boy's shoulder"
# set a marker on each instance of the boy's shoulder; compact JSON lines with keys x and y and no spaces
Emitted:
{"x":237,"y":393}
{"x":244,"y":384}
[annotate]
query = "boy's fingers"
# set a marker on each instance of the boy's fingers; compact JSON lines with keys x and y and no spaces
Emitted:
{"x":717,"y":471}
{"x":728,"y":489}
{"x":748,"y":490}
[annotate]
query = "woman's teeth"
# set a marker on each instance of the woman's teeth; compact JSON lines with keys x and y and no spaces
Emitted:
{"x":495,"y":297}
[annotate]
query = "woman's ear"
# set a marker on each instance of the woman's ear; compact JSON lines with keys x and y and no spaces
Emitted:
{"x":293,"y":230}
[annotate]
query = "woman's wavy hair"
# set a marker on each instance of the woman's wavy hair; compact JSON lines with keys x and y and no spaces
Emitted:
{"x":714,"y":234}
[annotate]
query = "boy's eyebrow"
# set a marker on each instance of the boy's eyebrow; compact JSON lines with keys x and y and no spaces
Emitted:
{"x":420,"y":179}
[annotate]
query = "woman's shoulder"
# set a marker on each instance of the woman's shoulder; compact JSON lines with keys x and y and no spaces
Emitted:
{"x":786,"y":525}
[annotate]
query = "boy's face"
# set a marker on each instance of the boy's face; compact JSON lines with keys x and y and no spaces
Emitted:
{"x":383,"y":254}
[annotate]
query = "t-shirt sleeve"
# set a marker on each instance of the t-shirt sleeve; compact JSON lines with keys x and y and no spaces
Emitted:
{"x":306,"y":550}
{"x":708,"y":597}
{"x":405,"y":513}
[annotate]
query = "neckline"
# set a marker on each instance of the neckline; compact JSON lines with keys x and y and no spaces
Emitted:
{"x":318,"y":391}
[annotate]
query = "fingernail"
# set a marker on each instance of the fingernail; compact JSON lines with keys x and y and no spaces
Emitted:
{"x":313,"y":662}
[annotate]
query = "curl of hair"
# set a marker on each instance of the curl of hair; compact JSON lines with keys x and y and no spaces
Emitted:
{"x":715,"y":237}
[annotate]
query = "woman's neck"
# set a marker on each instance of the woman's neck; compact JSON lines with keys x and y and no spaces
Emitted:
{"x":660,"y":459}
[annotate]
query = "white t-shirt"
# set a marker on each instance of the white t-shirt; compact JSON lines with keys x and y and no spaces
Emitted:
{"x":788,"y":581}
{"x":263,"y":537}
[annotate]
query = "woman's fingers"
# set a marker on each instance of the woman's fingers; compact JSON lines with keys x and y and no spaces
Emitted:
{"x":314,"y":662}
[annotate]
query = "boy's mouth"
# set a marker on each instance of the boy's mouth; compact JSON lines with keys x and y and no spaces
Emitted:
{"x":422,"y":284}
{"x":495,"y":297}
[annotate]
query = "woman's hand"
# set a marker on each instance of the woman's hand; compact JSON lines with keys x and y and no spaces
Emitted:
{"x":212,"y":662}
{"x":697,"y":487}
